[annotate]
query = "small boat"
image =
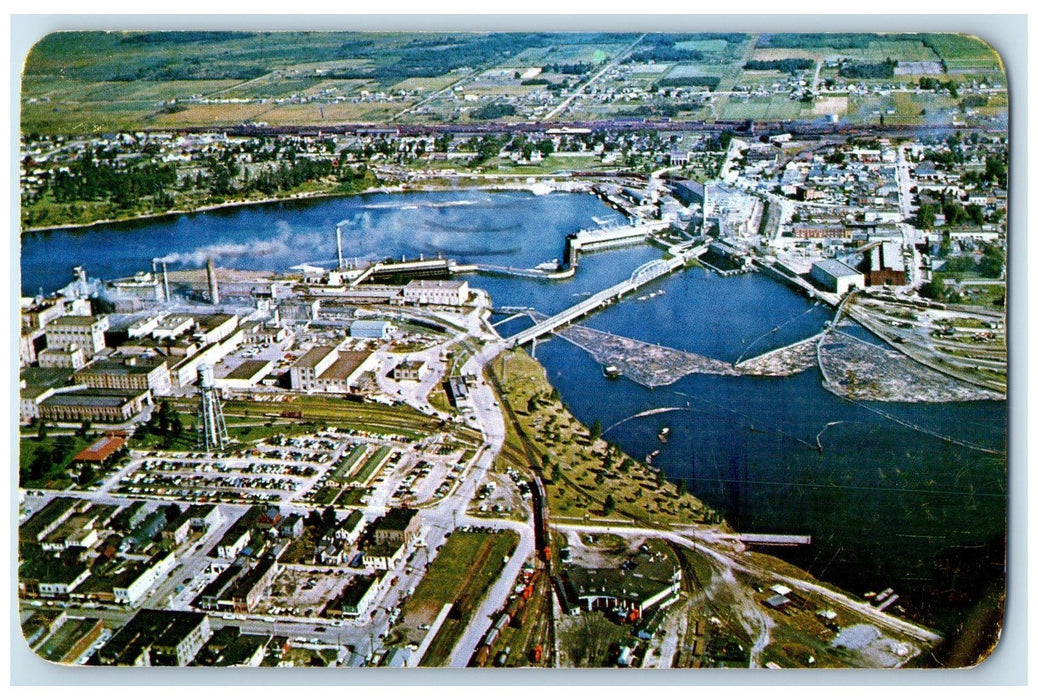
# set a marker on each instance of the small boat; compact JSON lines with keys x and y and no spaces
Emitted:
{"x":664,"y":432}
{"x":611,"y":371}
{"x":652,"y":455}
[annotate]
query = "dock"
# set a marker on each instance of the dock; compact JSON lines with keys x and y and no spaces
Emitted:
{"x":774,"y":540}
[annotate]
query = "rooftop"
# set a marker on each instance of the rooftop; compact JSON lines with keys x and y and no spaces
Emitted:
{"x":346,"y":365}
{"x":396,"y":519}
{"x":836,"y":268}
{"x":314,"y":356}
{"x":436,"y":284}
{"x":76,"y":320}
{"x":249,"y":369}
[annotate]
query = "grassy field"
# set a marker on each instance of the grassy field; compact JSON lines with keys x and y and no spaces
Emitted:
{"x":587,"y":470}
{"x":459,"y":575}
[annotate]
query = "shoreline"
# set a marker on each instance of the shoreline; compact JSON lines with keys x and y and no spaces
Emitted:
{"x":533,"y":187}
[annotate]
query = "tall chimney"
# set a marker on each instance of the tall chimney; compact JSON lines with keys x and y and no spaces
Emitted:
{"x":165,"y":281}
{"x":338,"y":244}
{"x":214,"y":289}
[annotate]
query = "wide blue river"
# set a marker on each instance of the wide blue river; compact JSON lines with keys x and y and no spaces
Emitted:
{"x":886,"y":505}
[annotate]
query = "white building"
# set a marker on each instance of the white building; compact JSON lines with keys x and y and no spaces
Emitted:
{"x":86,"y":332}
{"x":837,"y":276}
{"x":439,"y":292}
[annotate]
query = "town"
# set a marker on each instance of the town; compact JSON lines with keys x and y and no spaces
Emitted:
{"x":353,"y":463}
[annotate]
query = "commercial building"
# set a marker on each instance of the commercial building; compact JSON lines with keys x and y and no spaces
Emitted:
{"x":383,"y":556}
{"x":437,"y":292}
{"x":71,"y":640}
{"x":355,"y":597}
{"x":837,"y":276}
{"x":133,"y":583}
{"x":397,"y":525}
{"x":157,"y":638}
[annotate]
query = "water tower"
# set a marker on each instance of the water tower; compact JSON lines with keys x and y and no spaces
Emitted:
{"x":213,"y":430}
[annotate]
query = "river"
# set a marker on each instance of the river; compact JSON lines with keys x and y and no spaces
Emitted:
{"x":886,"y":505}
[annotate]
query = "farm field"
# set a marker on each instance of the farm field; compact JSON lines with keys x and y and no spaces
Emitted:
{"x":77,"y":82}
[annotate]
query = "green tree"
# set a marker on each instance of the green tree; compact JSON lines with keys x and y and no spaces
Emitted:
{"x":84,"y":428}
{"x":86,"y":475}
{"x":41,"y":431}
{"x":610,"y":504}
{"x":992,"y":262}
{"x":926,"y":216}
{"x":596,"y":430}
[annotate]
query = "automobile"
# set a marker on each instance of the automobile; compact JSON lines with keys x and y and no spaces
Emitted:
{"x":269,"y":619}
{"x":320,"y":629}
{"x":228,"y":616}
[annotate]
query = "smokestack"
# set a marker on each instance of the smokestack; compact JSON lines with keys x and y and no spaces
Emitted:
{"x":165,"y":281}
{"x":338,"y":244}
{"x":214,"y":289}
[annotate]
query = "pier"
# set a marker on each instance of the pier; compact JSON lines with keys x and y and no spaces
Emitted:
{"x":774,"y":540}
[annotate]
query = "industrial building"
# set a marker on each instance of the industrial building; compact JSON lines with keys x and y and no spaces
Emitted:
{"x":437,"y":292}
{"x":837,"y":276}
{"x":95,"y":405}
{"x":378,"y":330}
{"x":645,"y":581}
{"x":328,"y":369}
{"x":884,"y":264}
{"x":70,"y":332}
{"x":136,"y":374}
{"x":410,"y":371}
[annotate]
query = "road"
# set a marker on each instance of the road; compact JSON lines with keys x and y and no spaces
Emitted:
{"x":703,"y":541}
{"x":498,"y":594}
{"x":564,"y":105}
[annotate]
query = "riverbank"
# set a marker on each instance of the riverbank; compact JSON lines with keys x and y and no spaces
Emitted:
{"x":541,"y":185}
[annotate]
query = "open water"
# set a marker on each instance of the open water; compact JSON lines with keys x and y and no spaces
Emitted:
{"x":886,"y":505}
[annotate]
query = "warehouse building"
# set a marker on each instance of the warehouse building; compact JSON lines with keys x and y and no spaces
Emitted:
{"x":837,"y":276}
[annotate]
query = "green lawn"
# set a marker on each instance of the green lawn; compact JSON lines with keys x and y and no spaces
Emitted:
{"x":460,"y":575}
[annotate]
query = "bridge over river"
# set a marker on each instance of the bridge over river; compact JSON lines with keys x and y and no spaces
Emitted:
{"x":644,"y":274}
